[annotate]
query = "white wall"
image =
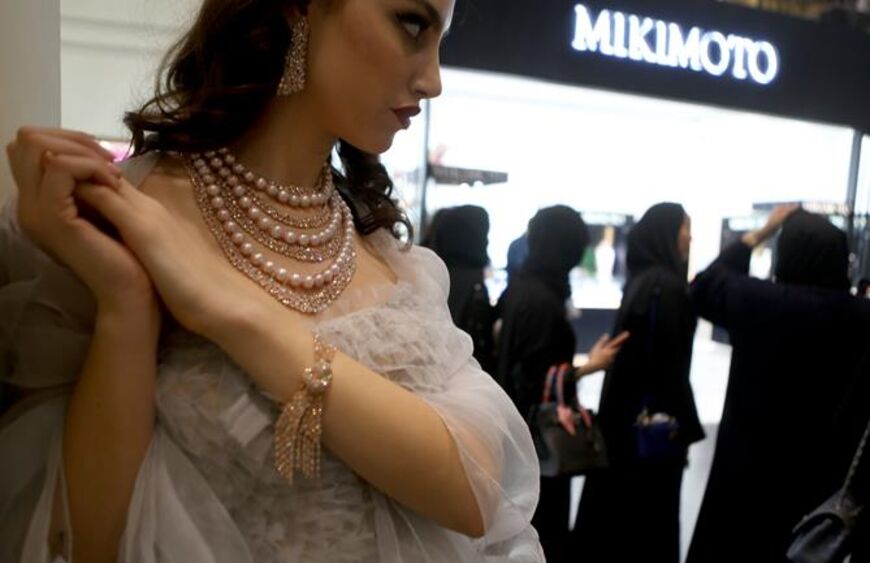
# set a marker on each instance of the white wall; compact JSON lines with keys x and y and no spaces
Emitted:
{"x":29,"y":71}
{"x":110,"y":50}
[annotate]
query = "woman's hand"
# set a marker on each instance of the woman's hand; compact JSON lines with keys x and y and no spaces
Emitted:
{"x":774,"y":221}
{"x":47,"y":165}
{"x":198,"y":286}
{"x":602,"y":354}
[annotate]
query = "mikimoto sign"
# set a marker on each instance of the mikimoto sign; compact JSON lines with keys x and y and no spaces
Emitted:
{"x":668,"y":44}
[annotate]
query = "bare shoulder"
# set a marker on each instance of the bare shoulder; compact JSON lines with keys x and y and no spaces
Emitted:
{"x":167,"y":180}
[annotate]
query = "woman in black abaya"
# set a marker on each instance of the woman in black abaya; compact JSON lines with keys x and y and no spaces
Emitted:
{"x":536,"y":334}
{"x":795,"y":346}
{"x":630,"y":511}
{"x":460,"y":237}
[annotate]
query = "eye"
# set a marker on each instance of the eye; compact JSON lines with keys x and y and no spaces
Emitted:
{"x":413,"y":24}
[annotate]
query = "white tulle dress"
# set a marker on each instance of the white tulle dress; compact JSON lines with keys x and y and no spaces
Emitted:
{"x":207,"y":491}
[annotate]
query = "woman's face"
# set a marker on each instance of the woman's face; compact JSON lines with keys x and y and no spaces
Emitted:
{"x":371,"y":62}
{"x":684,"y":238}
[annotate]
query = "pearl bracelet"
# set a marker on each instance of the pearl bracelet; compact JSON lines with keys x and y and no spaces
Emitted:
{"x":299,"y":426}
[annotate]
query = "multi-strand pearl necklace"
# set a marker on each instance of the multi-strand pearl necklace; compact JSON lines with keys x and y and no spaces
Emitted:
{"x":239,"y":208}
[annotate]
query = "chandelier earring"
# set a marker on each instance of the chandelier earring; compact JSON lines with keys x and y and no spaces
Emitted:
{"x":293,"y":79}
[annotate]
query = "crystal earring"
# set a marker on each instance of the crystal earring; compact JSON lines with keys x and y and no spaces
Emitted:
{"x":293,"y":79}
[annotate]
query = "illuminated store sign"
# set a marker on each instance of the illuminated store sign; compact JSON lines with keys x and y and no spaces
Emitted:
{"x":643,"y":39}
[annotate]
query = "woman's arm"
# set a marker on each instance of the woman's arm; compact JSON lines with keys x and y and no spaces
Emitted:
{"x":602,"y":354}
{"x":388,"y":435}
{"x":110,"y":415}
{"x":723,"y":291}
{"x":109,"y":424}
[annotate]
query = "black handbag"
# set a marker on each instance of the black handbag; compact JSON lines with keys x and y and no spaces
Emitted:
{"x":826,"y":534}
{"x":560,"y":452}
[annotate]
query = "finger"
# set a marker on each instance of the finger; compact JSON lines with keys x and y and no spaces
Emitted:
{"x":106,"y":202}
{"x":78,"y":137}
{"x":603,"y":339}
{"x":39,"y":144}
{"x":620,"y":339}
{"x":80,"y":169}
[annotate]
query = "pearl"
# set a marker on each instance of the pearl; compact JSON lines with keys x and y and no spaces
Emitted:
{"x":227,"y":184}
{"x":223,"y":150}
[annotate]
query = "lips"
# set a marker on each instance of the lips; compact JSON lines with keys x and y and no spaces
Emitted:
{"x":405,"y":114}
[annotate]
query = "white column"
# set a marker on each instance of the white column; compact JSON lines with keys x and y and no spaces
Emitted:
{"x":29,"y":71}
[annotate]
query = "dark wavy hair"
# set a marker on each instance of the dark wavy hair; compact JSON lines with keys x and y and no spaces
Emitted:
{"x":214,"y":83}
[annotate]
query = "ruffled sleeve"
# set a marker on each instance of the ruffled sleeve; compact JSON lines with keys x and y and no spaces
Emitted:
{"x":493,"y":439}
{"x":414,"y":343}
{"x":43,"y":304}
{"x":45,"y":327}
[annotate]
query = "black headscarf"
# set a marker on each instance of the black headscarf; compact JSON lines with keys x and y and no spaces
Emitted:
{"x":811,"y":251}
{"x":557,"y":239}
{"x":460,"y":236}
{"x":652,"y":242}
{"x":652,"y":258}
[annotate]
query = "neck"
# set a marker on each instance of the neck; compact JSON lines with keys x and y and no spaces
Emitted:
{"x":286,"y":144}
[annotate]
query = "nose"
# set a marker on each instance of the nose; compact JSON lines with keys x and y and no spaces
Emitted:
{"x":427,"y":83}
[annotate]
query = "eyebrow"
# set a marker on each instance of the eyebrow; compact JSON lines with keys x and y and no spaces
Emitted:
{"x":433,"y":14}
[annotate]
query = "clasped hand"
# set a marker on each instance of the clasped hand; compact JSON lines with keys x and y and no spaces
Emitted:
{"x":63,"y":177}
